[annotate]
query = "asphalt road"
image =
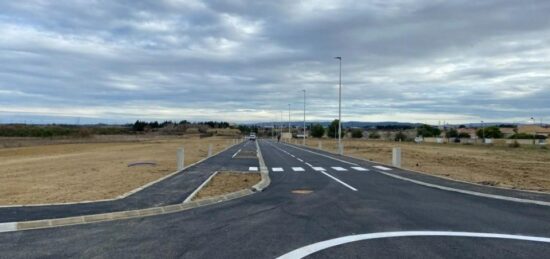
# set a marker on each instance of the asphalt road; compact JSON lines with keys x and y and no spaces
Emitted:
{"x":313,"y":197}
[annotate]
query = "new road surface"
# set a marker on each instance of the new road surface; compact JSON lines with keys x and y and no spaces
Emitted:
{"x":318,"y":205}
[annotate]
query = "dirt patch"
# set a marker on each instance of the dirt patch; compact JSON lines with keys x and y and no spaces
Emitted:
{"x":91,"y":171}
{"x":525,"y":167}
{"x":228,"y":182}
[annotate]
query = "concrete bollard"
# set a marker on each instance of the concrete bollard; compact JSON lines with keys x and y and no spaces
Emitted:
{"x":181,"y":159}
{"x":210,"y":150}
{"x":396,"y":157}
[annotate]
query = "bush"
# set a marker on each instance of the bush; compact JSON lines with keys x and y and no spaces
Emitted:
{"x":333,"y":129}
{"x":521,"y":136}
{"x":452,"y":133}
{"x":357,"y":133}
{"x":464,"y":135}
{"x":400,"y":136}
{"x":374,"y":135}
{"x":317,"y":131}
{"x":515,"y":144}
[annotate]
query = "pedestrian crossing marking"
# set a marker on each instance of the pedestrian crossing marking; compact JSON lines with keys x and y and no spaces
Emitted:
{"x":382,"y":167}
{"x":253,"y":168}
{"x":298,"y":169}
{"x":337,"y":168}
{"x":316,"y":168}
{"x":277,"y":169}
{"x":359,"y":168}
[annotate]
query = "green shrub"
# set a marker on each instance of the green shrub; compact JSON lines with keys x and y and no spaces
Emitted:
{"x":357,"y":133}
{"x":317,"y":131}
{"x":374,"y":135}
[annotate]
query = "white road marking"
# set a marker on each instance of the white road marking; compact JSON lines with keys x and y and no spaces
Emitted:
{"x":291,"y":155}
{"x":8,"y":227}
{"x":298,"y":169}
{"x":253,"y":168}
{"x":338,"y":180}
{"x":277,"y":169}
{"x":316,"y":247}
{"x":359,"y":168}
{"x":236,"y":153}
{"x":300,"y":160}
{"x":340,"y":160}
{"x":493,"y":196}
{"x":382,"y":167}
{"x":337,"y":168}
{"x":308,"y":164}
{"x":318,"y":168}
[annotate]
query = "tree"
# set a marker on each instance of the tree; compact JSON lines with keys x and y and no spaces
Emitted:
{"x":452,"y":133}
{"x":428,"y":131}
{"x":357,"y":133}
{"x":464,"y":135}
{"x":317,"y":131}
{"x":400,"y":136}
{"x":333,"y":129}
{"x":374,"y":135}
{"x":489,"y":132}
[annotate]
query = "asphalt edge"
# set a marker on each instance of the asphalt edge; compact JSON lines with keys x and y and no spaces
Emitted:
{"x":194,"y":193}
{"x":122,"y":196}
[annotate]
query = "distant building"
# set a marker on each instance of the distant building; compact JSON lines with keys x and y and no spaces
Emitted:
{"x":507,"y":132}
{"x":534,"y":130}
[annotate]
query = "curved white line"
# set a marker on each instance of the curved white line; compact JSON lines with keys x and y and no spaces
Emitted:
{"x":316,"y":247}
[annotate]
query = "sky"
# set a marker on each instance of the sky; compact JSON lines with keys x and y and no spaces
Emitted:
{"x":422,"y":61}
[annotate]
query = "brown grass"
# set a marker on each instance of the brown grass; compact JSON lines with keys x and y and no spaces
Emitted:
{"x":526,"y":167}
{"x":90,"y":171}
{"x":228,"y":182}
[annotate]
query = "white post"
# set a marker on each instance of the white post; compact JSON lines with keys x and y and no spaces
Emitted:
{"x":181,"y":159}
{"x":396,"y":157}
{"x":210,"y":150}
{"x":320,"y":145}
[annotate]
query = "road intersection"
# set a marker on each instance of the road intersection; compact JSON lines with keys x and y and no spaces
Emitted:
{"x":318,"y":204}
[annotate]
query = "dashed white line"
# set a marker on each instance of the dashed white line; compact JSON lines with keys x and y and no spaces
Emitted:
{"x":8,"y":227}
{"x":277,"y":169}
{"x":316,"y":247}
{"x":338,"y":180}
{"x":337,"y":168}
{"x":253,"y":168}
{"x":308,"y":164}
{"x":316,"y":168}
{"x":300,"y":160}
{"x":298,"y":169}
{"x":357,"y":168}
{"x":236,"y":153}
{"x":382,"y":167}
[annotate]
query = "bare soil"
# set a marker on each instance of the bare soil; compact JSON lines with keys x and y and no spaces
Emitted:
{"x":53,"y":173}
{"x":228,"y":182}
{"x":526,"y":167}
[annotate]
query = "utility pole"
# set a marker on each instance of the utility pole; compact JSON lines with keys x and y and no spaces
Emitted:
{"x":289,"y":120}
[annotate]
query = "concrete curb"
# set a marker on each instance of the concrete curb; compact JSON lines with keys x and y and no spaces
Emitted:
{"x":125,"y":194}
{"x":263,"y":172}
{"x":194,"y":193}
{"x":87,"y":219}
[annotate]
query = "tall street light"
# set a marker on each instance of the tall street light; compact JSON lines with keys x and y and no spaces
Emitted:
{"x":340,"y":151}
{"x":304,"y":140}
{"x":483,"y":132}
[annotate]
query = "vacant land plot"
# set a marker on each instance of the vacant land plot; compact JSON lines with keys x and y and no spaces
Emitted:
{"x":228,"y":182}
{"x":91,"y":171}
{"x":526,"y":168}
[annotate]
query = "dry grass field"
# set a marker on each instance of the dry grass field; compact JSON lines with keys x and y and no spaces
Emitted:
{"x":39,"y":173}
{"x":228,"y":182}
{"x":526,"y":167}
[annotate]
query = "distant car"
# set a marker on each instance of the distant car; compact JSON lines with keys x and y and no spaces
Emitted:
{"x":252,"y":136}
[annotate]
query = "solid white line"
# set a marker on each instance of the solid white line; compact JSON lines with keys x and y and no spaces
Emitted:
{"x":338,"y":180}
{"x":382,"y":167}
{"x":277,"y":169}
{"x":316,"y":247}
{"x":318,"y":168}
{"x":343,"y":161}
{"x":236,"y":153}
{"x":493,"y":196}
{"x":298,"y":169}
{"x":359,"y":168}
{"x":253,"y":168}
{"x":337,"y":168}
{"x":8,"y":227}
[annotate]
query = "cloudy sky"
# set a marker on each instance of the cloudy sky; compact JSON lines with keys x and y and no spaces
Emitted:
{"x":241,"y":61}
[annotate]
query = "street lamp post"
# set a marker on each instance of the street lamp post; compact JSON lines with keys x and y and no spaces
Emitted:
{"x":304,"y":136}
{"x":340,"y":151}
{"x":289,"y":120}
{"x":482,"y":132}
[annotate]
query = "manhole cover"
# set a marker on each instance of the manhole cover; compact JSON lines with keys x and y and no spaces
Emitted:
{"x":302,"y":191}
